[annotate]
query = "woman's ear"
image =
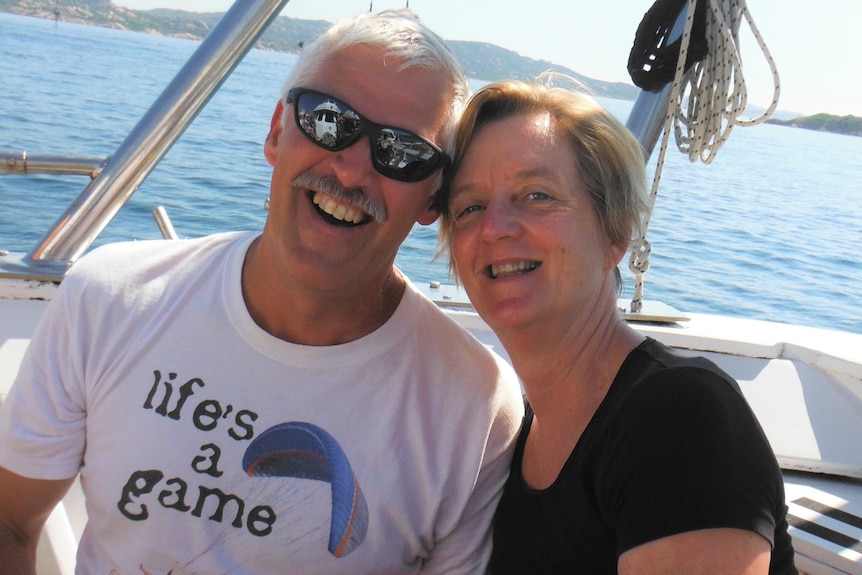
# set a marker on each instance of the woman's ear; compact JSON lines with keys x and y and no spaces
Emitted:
{"x":615,"y":254}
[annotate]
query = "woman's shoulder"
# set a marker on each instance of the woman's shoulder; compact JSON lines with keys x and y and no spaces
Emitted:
{"x":654,"y":368}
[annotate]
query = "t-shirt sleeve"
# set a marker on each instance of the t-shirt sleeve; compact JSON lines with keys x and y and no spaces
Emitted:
{"x":687,"y":453}
{"x":42,"y":421}
{"x":466,"y":549}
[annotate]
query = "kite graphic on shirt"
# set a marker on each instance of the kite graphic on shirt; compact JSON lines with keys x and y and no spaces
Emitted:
{"x":303,"y":450}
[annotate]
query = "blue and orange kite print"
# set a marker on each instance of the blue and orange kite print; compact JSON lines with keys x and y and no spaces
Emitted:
{"x":303,"y":450}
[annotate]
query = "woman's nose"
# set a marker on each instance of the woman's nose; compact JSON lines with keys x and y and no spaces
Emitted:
{"x":500,"y":221}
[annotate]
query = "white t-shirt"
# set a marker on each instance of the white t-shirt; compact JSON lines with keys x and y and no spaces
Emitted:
{"x":208,"y":446}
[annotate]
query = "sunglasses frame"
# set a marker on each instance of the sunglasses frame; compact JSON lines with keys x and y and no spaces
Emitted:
{"x":374,"y":131}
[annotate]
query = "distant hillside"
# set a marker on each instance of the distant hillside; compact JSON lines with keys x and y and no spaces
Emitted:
{"x":481,"y":61}
{"x":849,"y":125}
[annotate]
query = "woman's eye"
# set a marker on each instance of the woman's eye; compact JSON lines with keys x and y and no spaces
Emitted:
{"x":462,"y":212}
{"x":537,"y":195}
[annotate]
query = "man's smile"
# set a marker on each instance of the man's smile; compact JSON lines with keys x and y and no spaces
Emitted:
{"x":337,"y":213}
{"x":337,"y":205}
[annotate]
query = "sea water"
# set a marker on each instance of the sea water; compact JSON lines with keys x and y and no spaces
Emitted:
{"x":772,"y":229}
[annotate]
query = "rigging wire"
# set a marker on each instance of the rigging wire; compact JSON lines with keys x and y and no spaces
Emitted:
{"x":707,"y":100}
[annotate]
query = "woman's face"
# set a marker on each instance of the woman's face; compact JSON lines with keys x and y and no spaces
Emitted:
{"x":526,"y":241}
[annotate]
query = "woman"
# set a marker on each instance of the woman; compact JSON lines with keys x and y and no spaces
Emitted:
{"x":632,"y":458}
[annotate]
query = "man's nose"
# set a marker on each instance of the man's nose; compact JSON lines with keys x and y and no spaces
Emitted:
{"x":352,"y":165}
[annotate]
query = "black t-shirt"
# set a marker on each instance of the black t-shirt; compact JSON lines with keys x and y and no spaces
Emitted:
{"x":673,"y":447}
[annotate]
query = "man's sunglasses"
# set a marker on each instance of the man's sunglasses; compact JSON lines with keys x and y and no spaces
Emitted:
{"x":334,"y":125}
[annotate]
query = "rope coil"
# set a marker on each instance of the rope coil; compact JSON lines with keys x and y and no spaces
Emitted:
{"x":707,"y":100}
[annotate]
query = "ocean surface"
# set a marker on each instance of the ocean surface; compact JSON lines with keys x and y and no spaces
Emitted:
{"x":772,"y":229}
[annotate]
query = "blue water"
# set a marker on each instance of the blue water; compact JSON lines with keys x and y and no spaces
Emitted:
{"x":771,"y":230}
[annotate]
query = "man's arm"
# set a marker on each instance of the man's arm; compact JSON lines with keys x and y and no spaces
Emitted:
{"x":707,"y":552}
{"x":25,"y":505}
{"x":466,"y":549}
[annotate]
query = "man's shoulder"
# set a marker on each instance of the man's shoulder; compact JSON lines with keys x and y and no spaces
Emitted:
{"x":128,"y":267}
{"x":436,"y":325}
{"x":158,"y":248}
{"x":452,"y":345}
{"x":132,"y":258}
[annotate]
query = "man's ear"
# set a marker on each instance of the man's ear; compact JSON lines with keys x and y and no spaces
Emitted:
{"x":430,"y":215}
{"x":276,"y":125}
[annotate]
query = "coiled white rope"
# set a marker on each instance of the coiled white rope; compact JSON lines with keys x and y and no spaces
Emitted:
{"x":706,"y":102}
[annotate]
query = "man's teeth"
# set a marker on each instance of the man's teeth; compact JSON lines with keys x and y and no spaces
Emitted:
{"x":511,"y":268}
{"x":337,"y":210}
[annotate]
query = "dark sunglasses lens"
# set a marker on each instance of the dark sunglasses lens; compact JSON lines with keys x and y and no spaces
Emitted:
{"x":333,"y":125}
{"x":326,"y":121}
{"x":404,"y":156}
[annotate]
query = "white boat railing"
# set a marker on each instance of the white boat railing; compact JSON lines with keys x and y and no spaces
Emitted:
{"x":22,"y":164}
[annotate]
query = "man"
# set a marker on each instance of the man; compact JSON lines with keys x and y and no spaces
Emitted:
{"x":281,"y":403}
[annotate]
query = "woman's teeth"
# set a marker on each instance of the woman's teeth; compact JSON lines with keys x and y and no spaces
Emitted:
{"x":495,"y":271}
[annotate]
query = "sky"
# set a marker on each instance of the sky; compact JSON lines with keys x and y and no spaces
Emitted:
{"x":813,"y":42}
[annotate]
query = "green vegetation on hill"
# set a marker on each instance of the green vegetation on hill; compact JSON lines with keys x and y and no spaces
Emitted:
{"x":849,"y":125}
